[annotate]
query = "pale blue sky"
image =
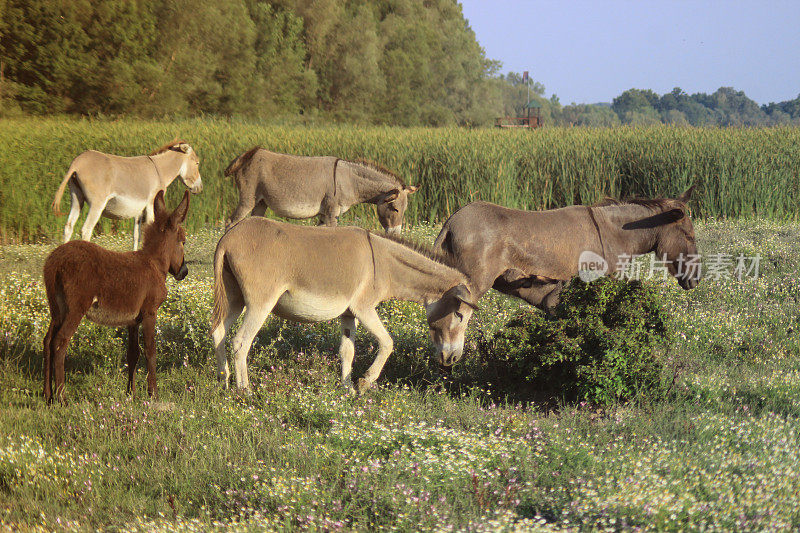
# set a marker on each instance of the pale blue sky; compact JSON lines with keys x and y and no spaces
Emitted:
{"x":588,"y":52}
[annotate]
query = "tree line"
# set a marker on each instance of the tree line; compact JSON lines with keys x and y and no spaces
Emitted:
{"x":725,"y":107}
{"x":400,"y":62}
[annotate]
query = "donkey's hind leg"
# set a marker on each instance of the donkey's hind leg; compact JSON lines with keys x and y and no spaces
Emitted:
{"x":347,"y":349}
{"x":74,"y":211}
{"x":95,"y":212}
{"x":254,"y":317}
{"x":218,"y":337}
{"x":373,"y":323}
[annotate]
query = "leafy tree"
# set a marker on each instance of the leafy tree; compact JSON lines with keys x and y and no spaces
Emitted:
{"x":283,"y":80}
{"x":635,"y":103}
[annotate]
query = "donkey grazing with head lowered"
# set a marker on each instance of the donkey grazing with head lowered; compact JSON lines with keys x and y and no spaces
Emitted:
{"x":114,"y":289}
{"x":303,"y":187}
{"x":309,"y":274}
{"x":530,"y":254}
{"x":124,"y":187}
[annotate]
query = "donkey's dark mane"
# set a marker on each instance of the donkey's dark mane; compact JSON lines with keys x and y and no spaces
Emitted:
{"x":425,"y":250}
{"x":650,"y":203}
{"x":378,"y":168}
{"x":169,"y":146}
{"x":240,"y":161}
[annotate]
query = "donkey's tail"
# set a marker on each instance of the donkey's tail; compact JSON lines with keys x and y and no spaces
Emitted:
{"x":444,"y":241}
{"x":241,"y":160}
{"x":60,"y":192}
{"x":220,"y":295}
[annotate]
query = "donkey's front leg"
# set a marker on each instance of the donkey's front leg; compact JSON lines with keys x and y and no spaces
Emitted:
{"x":149,"y":331}
{"x":137,"y":229}
{"x":133,"y":357}
{"x":347,"y":350}
{"x":373,"y":323}
{"x":329,"y":212}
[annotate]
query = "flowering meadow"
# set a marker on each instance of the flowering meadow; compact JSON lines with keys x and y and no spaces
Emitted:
{"x":718,"y":451}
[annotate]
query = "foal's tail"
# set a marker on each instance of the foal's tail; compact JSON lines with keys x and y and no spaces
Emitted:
{"x":60,"y":192}
{"x":220,"y":295}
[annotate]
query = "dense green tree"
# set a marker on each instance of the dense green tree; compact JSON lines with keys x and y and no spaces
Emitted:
{"x":635,"y":104}
{"x":281,"y":77}
{"x":591,"y":115}
{"x":44,"y":48}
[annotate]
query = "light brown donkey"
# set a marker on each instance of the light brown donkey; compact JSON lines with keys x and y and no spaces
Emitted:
{"x":296,"y":186}
{"x":124,"y":187}
{"x":311,"y":274}
{"x":114,"y":289}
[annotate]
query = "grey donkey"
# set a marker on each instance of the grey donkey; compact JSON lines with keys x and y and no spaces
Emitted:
{"x":303,"y":187}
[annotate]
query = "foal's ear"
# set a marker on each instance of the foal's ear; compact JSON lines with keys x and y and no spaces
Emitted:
{"x":687,"y":195}
{"x":159,"y":207}
{"x":179,"y":215}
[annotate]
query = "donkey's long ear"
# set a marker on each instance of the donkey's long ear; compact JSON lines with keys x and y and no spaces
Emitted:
{"x":179,"y":215}
{"x":463,"y":295}
{"x":662,"y":219}
{"x":686,"y":196}
{"x":159,"y":208}
{"x":390,"y":196}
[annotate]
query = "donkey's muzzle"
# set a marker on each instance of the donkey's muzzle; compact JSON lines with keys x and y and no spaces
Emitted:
{"x":182,"y":273}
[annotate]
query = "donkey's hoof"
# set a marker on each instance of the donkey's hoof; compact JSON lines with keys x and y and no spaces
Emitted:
{"x":364,"y":385}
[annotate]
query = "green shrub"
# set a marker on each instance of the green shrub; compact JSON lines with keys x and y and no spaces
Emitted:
{"x":602,"y":345}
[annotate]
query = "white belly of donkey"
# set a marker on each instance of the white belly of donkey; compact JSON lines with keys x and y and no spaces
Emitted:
{"x":124,"y":207}
{"x":309,"y":307}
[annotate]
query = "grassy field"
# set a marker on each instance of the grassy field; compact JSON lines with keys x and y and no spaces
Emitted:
{"x":721,"y":451}
{"x":739,"y":172}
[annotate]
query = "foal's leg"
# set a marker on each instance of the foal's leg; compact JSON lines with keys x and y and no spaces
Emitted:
{"x":373,"y":323}
{"x":348,"y":349}
{"x":59,"y":345}
{"x":74,"y":211}
{"x":48,"y":361}
{"x":95,"y":211}
{"x":133,"y":357}
{"x":149,"y":331}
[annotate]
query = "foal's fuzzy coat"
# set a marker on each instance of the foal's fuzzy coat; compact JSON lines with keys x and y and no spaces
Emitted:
{"x":114,"y":289}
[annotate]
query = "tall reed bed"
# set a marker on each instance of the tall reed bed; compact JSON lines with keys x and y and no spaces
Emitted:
{"x":739,"y":172}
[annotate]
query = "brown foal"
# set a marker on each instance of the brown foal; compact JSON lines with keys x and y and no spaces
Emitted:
{"x":113,"y":289}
